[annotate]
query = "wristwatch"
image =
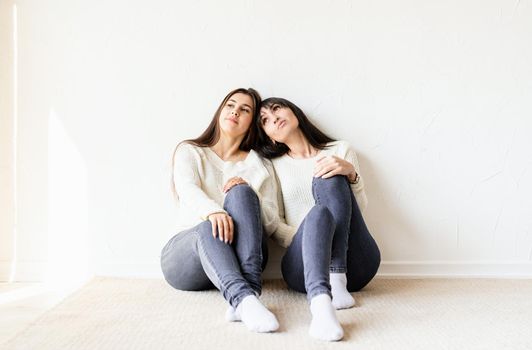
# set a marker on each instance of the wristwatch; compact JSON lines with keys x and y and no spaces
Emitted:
{"x":354,"y":181}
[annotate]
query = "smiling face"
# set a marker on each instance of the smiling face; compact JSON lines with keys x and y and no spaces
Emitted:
{"x":278,"y":122}
{"x":236,"y":115}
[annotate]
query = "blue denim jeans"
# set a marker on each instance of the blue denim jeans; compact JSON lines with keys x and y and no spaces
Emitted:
{"x":194,"y":260}
{"x":333,"y":237}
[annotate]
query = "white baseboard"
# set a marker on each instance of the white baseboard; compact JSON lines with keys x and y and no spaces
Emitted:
{"x":456,"y":269}
{"x":35,"y":271}
{"x":388,"y":269}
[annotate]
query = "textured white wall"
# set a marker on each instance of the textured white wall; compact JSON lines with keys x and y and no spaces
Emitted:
{"x":436,"y":97}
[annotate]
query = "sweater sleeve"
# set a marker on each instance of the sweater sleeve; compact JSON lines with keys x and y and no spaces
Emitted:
{"x":271,"y":210}
{"x":187,"y":183}
{"x":358,"y":189}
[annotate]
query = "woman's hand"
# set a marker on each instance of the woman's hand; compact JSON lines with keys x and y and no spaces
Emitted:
{"x":332,"y":165}
{"x":222,"y":226}
{"x":233,"y":182}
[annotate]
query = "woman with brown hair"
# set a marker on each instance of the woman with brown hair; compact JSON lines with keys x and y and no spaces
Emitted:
{"x":217,"y":181}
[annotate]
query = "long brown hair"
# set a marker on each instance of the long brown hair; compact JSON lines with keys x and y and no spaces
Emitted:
{"x":268,"y":149}
{"x":211,"y":135}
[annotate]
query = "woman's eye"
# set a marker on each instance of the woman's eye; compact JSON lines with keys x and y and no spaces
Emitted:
{"x":275,"y":108}
{"x":230,"y":105}
{"x":246,"y":110}
{"x":264,"y":121}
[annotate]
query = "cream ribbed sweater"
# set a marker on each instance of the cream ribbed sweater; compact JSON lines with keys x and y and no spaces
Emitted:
{"x":295,"y":179}
{"x":199,"y":178}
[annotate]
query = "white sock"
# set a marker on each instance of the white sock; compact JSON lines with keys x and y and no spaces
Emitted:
{"x":324,"y":325}
{"x":341,"y":299}
{"x":255,"y":316}
{"x":230,"y":315}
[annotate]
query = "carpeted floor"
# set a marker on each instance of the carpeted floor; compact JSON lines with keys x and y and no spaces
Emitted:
{"x":394,"y":314}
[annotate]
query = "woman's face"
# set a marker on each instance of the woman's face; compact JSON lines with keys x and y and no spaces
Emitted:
{"x":236,"y":115}
{"x":278,"y":122}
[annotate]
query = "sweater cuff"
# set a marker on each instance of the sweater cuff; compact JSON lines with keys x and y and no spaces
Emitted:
{"x":360,"y":196}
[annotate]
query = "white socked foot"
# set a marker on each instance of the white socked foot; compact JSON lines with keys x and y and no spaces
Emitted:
{"x":231,"y":315}
{"x":341,"y":299}
{"x":324,"y":325}
{"x":256,"y":316}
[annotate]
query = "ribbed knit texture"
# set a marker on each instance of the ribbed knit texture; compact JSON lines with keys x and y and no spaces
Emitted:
{"x":295,"y":178}
{"x":199,"y":178}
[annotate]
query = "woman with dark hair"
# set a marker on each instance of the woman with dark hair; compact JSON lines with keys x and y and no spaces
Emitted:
{"x":217,"y":181}
{"x":330,"y":251}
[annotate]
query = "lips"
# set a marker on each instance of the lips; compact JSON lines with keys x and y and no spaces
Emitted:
{"x":281,"y":124}
{"x":232,"y":120}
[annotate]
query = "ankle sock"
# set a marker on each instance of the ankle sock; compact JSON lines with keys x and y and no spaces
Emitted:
{"x":230,"y":315}
{"x":254,"y":315}
{"x":341,"y":299}
{"x":324,"y":325}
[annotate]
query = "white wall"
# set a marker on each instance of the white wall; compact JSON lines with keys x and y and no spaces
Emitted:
{"x":436,"y":97}
{"x":7,"y":204}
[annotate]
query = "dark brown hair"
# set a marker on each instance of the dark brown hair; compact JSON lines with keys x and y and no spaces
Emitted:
{"x":268,"y":149}
{"x":211,"y":135}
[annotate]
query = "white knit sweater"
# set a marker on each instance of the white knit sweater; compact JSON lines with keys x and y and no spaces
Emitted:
{"x":295,"y":179}
{"x":199,"y":178}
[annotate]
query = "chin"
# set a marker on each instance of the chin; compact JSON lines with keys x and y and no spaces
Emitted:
{"x":230,"y":128}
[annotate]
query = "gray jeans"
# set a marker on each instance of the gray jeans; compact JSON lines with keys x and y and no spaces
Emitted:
{"x":194,"y":260}
{"x":333,"y":237}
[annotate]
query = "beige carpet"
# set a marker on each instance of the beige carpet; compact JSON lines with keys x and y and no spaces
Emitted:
{"x":390,"y":314}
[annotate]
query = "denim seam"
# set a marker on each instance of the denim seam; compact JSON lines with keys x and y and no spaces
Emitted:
{"x":256,"y":206}
{"x":318,"y":201}
{"x":259,"y":219}
{"x":339,"y":269}
{"x":222,"y":284}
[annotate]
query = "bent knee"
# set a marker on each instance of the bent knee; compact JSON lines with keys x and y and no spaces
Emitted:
{"x":321,"y":213}
{"x":204,"y":229}
{"x":241,"y":190}
{"x":331,"y":182}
